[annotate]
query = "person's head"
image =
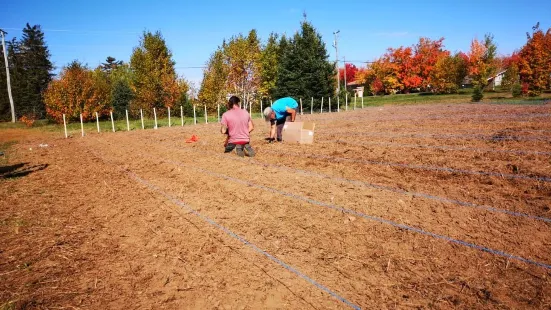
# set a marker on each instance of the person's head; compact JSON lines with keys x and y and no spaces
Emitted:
{"x":269,"y":114}
{"x":234,"y":101}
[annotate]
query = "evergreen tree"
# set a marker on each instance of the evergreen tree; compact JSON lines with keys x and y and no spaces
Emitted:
{"x":32,"y":72}
{"x":304,"y":70}
{"x":111,"y":64}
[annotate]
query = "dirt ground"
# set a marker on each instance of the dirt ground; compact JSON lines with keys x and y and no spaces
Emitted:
{"x":394,"y":207}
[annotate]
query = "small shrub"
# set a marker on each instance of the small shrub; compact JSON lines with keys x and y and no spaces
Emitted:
{"x":27,"y":120}
{"x":516,"y":90}
{"x":477,"y":94}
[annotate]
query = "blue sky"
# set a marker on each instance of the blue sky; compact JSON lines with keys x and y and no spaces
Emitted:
{"x":89,"y":31}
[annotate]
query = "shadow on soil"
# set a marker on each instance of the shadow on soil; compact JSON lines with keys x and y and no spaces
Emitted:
{"x":19,"y":170}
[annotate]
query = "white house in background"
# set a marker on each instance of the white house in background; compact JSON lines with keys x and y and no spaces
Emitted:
{"x":496,"y":79}
{"x":356,"y":88}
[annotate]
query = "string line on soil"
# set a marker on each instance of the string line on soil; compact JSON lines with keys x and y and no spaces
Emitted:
{"x":360,"y":214}
{"x":379,"y":187}
{"x":230,"y":233}
{"x":378,"y":118}
{"x":496,"y":137}
{"x":421,"y":167}
{"x":437,"y":147}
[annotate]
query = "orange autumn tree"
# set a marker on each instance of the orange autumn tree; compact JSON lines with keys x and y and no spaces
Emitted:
{"x":481,"y":64}
{"x":427,"y":55}
{"x":535,"y":61}
{"x":75,"y":92}
{"x":448,"y":73}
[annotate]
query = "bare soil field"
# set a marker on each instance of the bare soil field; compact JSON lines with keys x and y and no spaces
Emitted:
{"x":394,"y":207}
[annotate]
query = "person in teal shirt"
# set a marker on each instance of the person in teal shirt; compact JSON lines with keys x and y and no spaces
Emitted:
{"x":277,"y":115}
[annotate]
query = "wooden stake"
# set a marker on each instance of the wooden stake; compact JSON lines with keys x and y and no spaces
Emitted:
{"x":301,"y":107}
{"x":141,"y":116}
{"x":97,"y":120}
{"x":81,"y":125}
{"x":127,"y":122}
{"x":194,"y":116}
{"x":112,"y":121}
{"x":219,"y":112}
{"x":329,"y":104}
{"x":155,"y":115}
{"x":65,"y":126}
{"x":312,"y":106}
{"x":346,"y":100}
{"x":206,"y":117}
{"x":338,"y":104}
{"x":182,"y":115}
{"x":261,"y":110}
{"x":321,"y":109}
{"x":169,"y":120}
{"x":355,"y":96}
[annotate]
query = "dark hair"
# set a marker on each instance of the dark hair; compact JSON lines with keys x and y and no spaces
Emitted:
{"x":234,"y":100}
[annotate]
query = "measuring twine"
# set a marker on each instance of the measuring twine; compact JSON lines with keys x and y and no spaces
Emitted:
{"x":369,"y":217}
{"x":423,"y":167}
{"x":438,"y":147}
{"x":230,"y":233}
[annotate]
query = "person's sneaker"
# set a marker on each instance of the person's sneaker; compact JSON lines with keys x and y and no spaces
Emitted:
{"x":239,"y":150}
{"x":249,"y":150}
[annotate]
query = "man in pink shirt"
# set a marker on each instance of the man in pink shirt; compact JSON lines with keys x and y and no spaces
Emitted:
{"x":237,"y":124}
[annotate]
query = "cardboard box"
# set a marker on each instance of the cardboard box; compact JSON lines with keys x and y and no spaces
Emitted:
{"x":301,"y":132}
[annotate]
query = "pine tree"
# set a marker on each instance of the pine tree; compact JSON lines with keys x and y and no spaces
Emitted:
{"x":304,"y":70}
{"x":32,"y":74}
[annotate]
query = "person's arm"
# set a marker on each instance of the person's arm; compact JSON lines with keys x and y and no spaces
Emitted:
{"x":293,"y":113}
{"x":223,"y":129}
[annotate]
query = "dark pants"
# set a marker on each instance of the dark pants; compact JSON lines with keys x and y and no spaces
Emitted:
{"x":279,"y":125}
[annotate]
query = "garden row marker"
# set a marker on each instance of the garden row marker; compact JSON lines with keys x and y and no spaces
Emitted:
{"x":338,"y":103}
{"x":261,"y":111}
{"x":362,"y":102}
{"x":182,"y":115}
{"x":169,"y":121}
{"x":141,"y":116}
{"x":346,"y":100}
{"x":321,"y":109}
{"x":155,"y":114}
{"x":97,"y":120}
{"x":206,"y":117}
{"x":329,"y":104}
{"x":312,"y":106}
{"x":219,"y":112}
{"x":112,"y":121}
{"x":65,"y":126}
{"x":301,"y":107}
{"x":127,"y":122}
{"x":194,"y":116}
{"x":355,"y":96}
{"x":81,"y":125}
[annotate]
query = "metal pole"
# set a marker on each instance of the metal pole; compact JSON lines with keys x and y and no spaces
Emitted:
{"x":337,"y":61}
{"x":8,"y":77}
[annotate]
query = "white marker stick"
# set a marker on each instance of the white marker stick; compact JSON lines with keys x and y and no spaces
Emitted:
{"x":141,"y":116}
{"x":321,"y":109}
{"x":312,"y":106}
{"x":97,"y":120}
{"x":346,"y":100}
{"x":169,"y":121}
{"x":65,"y":126}
{"x":261,"y":110}
{"x":112,"y":121}
{"x":329,"y":104}
{"x":219,"y":112}
{"x":355,"y":96}
{"x":127,"y":122}
{"x":301,"y":107}
{"x":182,"y":115}
{"x":338,"y":104}
{"x":155,"y":115}
{"x":81,"y":125}
{"x":206,"y":117}
{"x":194,"y":116}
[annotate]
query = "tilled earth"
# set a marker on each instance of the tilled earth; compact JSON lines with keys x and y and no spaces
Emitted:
{"x":426,"y":206}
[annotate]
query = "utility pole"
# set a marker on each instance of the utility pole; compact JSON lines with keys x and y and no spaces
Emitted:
{"x":344,"y":59}
{"x":337,"y":61}
{"x":8,"y":76}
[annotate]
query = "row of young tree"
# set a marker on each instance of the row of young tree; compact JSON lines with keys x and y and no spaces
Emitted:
{"x":427,"y":66}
